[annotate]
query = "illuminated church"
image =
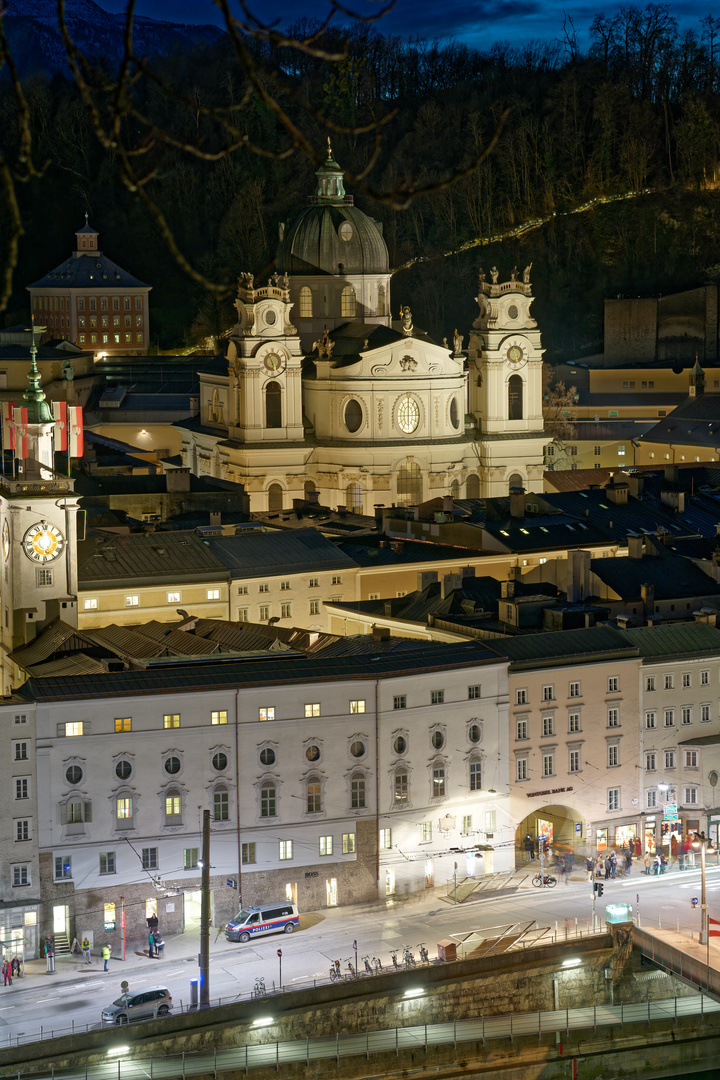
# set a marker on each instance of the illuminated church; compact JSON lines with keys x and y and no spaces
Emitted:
{"x":321,"y":390}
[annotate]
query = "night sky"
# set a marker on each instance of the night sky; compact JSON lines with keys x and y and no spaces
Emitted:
{"x":478,"y":24}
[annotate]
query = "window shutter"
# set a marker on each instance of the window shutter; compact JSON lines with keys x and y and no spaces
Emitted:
{"x":88,"y":811}
{"x":63,"y":814}
{"x":61,"y":731}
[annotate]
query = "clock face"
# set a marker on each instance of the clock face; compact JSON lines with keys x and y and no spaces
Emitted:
{"x":515,"y":354}
{"x":272,"y":362}
{"x":43,"y":542}
{"x":5,"y":540}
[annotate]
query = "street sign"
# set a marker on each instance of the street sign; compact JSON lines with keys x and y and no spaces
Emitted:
{"x":578,"y":827}
{"x":231,"y":883}
{"x":670,"y":812}
{"x":279,"y":952}
{"x":694,"y":901}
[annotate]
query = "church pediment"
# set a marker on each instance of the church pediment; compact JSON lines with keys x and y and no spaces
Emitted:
{"x":405,"y":360}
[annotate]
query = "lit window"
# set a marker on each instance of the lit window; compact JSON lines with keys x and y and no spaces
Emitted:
{"x":385,"y":839}
{"x":326,"y":845}
{"x":312,"y":709}
{"x":124,"y":808}
{"x":218,"y":716}
{"x":190,"y":858}
{"x":267,"y":712}
{"x":285,"y":850}
{"x":267,"y":800}
{"x":173,"y":808}
{"x":171,"y":720}
{"x":173,"y":598}
{"x":248,"y":853}
{"x":313,"y":790}
{"x":213,"y":594}
{"x":132,"y":601}
{"x":107,"y":862}
{"x":425,"y":832}
{"x":90,"y":603}
{"x":438,"y":778}
{"x":123,"y":723}
{"x":348,"y":843}
{"x":74,"y":727}
{"x":305,"y":305}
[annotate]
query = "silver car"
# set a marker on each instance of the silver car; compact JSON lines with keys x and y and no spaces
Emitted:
{"x":141,"y":1005}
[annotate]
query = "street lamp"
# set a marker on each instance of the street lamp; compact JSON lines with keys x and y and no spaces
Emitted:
{"x":702,"y":842}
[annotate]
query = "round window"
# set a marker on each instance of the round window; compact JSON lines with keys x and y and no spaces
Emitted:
{"x":123,"y":769}
{"x":312,"y":753}
{"x":353,"y":415}
{"x":438,"y":740}
{"x":270,"y":317}
{"x":345,"y":232}
{"x":267,"y":756}
{"x":408,"y":414}
{"x":172,"y":765}
{"x":357,"y":749}
{"x":512,"y":312}
{"x":219,"y":762}
{"x":74,"y":774}
{"x":474,"y":733}
{"x":400,"y":745}
{"x":454,"y":418}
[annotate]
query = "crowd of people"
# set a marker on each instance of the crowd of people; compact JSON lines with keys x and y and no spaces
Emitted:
{"x":613,"y":862}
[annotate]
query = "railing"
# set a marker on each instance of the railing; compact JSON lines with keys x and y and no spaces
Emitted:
{"x":389,"y":1040}
{"x":676,"y":961}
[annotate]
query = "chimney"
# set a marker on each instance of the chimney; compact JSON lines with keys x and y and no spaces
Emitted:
{"x":517,"y":502}
{"x":507,"y":589}
{"x":674,"y":499}
{"x":671,"y":474}
{"x":514,"y":573}
{"x":623,"y":621}
{"x":177,"y":480}
{"x":425,"y":578}
{"x":447,"y":503}
{"x":215,"y":518}
{"x":380,"y":633}
{"x":635,"y":547}
{"x":647,"y":595}
{"x":578,"y":576}
{"x":313,"y":497}
{"x":450,"y":582}
{"x":468,"y":571}
{"x":635,"y":483}
{"x":617,"y":492}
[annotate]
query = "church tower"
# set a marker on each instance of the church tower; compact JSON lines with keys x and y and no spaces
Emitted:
{"x":505,"y":369}
{"x":38,"y":531}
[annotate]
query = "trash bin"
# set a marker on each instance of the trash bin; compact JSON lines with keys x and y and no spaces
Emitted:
{"x":447,"y":950}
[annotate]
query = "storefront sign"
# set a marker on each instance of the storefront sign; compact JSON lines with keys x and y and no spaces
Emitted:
{"x":550,"y":791}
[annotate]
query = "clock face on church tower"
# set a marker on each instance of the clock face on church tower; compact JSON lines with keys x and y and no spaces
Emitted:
{"x":272,"y":362}
{"x":43,"y":542}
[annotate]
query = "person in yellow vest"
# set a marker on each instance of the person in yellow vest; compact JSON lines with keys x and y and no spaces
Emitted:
{"x":85,"y":946}
{"x":105,"y":956}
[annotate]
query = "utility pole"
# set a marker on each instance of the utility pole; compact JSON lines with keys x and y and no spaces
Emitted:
{"x":205,"y":914}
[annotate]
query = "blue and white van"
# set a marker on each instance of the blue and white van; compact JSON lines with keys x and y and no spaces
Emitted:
{"x":266,"y":919}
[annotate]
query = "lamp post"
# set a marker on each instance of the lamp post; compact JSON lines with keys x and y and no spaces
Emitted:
{"x":702,"y":842}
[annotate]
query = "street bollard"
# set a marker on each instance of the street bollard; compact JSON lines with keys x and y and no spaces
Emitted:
{"x":50,"y":963}
{"x":193,"y":993}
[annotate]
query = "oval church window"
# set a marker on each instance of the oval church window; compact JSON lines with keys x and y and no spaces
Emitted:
{"x":408,"y":415}
{"x":512,"y":312}
{"x":346,"y":231}
{"x":454,"y":418}
{"x":353,"y":415}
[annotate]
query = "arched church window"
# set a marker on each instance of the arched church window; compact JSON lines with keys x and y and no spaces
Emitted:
{"x":305,"y":303}
{"x":515,"y":481}
{"x":309,"y":487}
{"x":455,"y":489}
{"x":275,"y":497}
{"x":381,"y":300}
{"x":273,"y":405}
{"x":472,"y":487}
{"x":353,"y":415}
{"x":409,"y":484}
{"x":354,"y":498}
{"x":347,"y":303}
{"x":515,"y":398}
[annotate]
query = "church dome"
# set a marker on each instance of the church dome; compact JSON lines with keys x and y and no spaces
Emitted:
{"x":331,"y":236}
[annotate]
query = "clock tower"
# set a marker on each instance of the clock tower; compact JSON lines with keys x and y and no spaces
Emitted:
{"x":38,"y":531}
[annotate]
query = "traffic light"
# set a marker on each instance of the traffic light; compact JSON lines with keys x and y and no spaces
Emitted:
{"x":598,"y":887}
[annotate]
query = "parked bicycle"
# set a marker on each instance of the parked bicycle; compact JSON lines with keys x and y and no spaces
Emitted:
{"x":408,"y":958}
{"x":544,"y":881}
{"x":366,"y":961}
{"x":424,"y":955}
{"x":260,"y":990}
{"x":393,"y":953}
{"x":377,"y":965}
{"x":336,"y":974}
{"x":350,"y":967}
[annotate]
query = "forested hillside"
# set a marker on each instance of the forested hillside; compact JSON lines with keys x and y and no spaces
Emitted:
{"x":640,"y":110}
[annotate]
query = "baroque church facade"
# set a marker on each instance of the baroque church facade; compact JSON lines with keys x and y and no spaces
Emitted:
{"x":320,"y":390}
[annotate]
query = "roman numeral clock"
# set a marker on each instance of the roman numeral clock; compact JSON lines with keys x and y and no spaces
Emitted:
{"x":43,"y":542}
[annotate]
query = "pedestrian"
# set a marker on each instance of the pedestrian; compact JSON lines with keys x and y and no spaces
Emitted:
{"x":159,"y":946}
{"x":656,"y":865}
{"x":638,"y":848}
{"x":589,"y":866}
{"x":613,"y":864}
{"x":674,"y":849}
{"x":7,"y":973}
{"x":151,"y":942}
{"x":15,"y":967}
{"x":628,"y":860}
{"x":529,"y":848}
{"x":663,"y":862}
{"x":85,"y":946}
{"x":105,"y":956}
{"x":647,"y":860}
{"x":608,"y":867}
{"x":599,"y":868}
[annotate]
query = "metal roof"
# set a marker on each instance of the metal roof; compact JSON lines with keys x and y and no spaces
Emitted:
{"x":92,"y":271}
{"x":672,"y":642}
{"x":114,"y":560}
{"x":270,"y":554}
{"x":562,"y":645}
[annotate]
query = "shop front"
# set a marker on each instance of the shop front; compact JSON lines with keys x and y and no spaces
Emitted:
{"x":620,"y":835}
{"x":558,"y":828}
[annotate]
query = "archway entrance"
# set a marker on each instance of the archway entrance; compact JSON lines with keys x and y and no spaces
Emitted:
{"x":562,"y":826}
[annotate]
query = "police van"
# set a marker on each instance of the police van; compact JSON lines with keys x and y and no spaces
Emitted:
{"x":267,"y":919}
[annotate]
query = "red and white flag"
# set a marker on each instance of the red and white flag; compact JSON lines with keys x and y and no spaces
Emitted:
{"x":60,"y":411}
{"x":8,"y":429}
{"x":76,"y":438}
{"x":20,"y":424}
{"x":713,"y":923}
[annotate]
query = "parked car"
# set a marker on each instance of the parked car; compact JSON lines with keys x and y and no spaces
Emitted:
{"x":268,"y":919}
{"x":143,"y":1004}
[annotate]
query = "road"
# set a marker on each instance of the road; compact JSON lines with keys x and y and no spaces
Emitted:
{"x":307,"y":954}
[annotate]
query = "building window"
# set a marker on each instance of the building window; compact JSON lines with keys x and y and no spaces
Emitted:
{"x":573,"y":722}
{"x":574,"y":689}
{"x":691,"y":759}
{"x":20,"y":718}
{"x":474,"y":733}
{"x":522,"y":729}
{"x":613,"y":684}
{"x":704,"y":678}
{"x":438,"y":782}
{"x":385,"y":839}
{"x":400,"y":701}
{"x":425,"y":832}
{"x":243,"y":614}
{"x":548,"y":693}
{"x":63,"y":867}
{"x":686,"y":714}
{"x":123,"y":723}
{"x":305,"y":303}
{"x":213,"y":594}
{"x":704,"y":714}
{"x":669,"y":717}
{"x":285,"y":850}
{"x":437,"y":697}
{"x":400,"y":786}
{"x":669,"y":681}
{"x":686,"y":679}
{"x":474,"y":692}
{"x":268,"y":800}
{"x":173,"y":807}
{"x":357,"y":791}
{"x":171,"y":720}
{"x":221,"y":810}
{"x":149,"y":858}
{"x":124,"y":809}
{"x":90,"y":603}
{"x":548,"y":726}
{"x":266,"y":712}
{"x":357,"y":706}
{"x":548,"y":764}
{"x":21,"y":875}
{"x":613,"y":802}
{"x":650,"y":762}
{"x":264,"y":587}
{"x":347,"y":303}
{"x":312,"y":709}
{"x":173,"y":598}
{"x":690,"y":796}
{"x":613,"y":755}
{"x":22,"y":789}
{"x":521,"y":697}
{"x":247,"y":853}
{"x":651,"y":799}
{"x":650,"y":720}
{"x":669,"y":759}
{"x":597,"y":450}
{"x":107,"y":862}
{"x":219,"y":716}
{"x":574,"y":761}
{"x":313,"y":791}
{"x":325,"y":845}
{"x":21,"y":752}
{"x":475,"y":776}
{"x":348,"y":843}
{"x":337,"y":579}
{"x":190,"y":858}
{"x":521,"y":769}
{"x":138,"y":303}
{"x":132,"y":601}
{"x":466,"y":824}
{"x":264,"y":612}
{"x":43,"y":577}
{"x":649,"y":682}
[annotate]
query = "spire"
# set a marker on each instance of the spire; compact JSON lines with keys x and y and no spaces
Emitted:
{"x":330,"y":188}
{"x":38,"y":410}
{"x":697,"y":380}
